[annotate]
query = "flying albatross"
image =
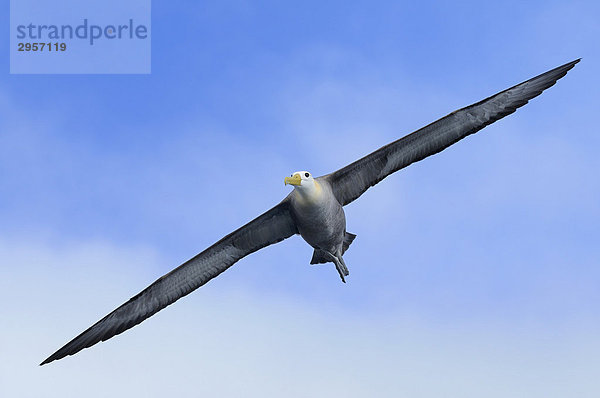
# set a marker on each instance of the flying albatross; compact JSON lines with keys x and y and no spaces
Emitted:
{"x":314,"y":209}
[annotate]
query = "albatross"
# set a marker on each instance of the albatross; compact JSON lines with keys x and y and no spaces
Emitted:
{"x":314,"y":209}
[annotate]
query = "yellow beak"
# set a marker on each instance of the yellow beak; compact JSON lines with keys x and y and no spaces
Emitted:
{"x":293,"y":180}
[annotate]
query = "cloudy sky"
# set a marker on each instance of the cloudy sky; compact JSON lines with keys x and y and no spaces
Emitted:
{"x":476,"y":271}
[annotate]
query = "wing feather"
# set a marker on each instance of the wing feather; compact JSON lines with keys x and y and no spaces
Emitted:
{"x":353,"y":180}
{"x":271,"y":227}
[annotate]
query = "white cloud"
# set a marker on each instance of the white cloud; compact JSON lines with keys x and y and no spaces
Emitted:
{"x":226,"y":342}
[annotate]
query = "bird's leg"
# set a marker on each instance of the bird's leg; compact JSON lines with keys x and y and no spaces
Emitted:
{"x":339,"y":265}
{"x":346,"y":272}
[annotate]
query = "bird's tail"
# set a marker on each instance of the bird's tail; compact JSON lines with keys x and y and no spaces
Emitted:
{"x":319,"y":257}
{"x":348,"y":238}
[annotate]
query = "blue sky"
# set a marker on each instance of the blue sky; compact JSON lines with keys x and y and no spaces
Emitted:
{"x":474,"y":271}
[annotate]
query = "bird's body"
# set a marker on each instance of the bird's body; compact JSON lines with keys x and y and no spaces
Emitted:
{"x":314,"y":209}
{"x":320,"y":220}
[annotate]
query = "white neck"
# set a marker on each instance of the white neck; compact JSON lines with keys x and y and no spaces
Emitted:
{"x":309,"y":191}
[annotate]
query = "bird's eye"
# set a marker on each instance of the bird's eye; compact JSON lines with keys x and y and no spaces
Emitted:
{"x":306,"y":175}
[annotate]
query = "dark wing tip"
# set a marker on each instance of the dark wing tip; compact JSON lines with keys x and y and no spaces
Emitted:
{"x":47,"y":360}
{"x":50,"y":359}
{"x":566,"y":67}
{"x":58,"y":355}
{"x":559,"y":71}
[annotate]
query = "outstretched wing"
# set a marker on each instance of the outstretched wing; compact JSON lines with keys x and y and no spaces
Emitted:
{"x":353,"y":180}
{"x":271,"y":227}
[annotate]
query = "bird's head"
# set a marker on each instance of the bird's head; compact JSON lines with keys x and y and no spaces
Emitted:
{"x":300,"y":179}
